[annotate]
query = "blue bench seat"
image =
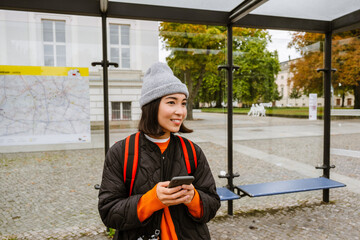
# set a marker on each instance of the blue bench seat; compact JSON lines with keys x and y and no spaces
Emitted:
{"x":225,"y":194}
{"x":291,"y":186}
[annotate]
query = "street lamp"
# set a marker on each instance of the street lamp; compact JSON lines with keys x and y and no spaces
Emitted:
{"x":103,"y":6}
{"x":105,"y":64}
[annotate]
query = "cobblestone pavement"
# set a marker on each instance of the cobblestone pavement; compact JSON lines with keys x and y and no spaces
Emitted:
{"x":50,"y":195}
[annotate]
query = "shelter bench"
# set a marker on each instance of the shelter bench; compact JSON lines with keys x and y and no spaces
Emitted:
{"x":279,"y":187}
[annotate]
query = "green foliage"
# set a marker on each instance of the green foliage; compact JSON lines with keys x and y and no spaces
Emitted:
{"x":197,"y":51}
{"x":255,"y":80}
{"x":295,"y":93}
{"x":111,"y":232}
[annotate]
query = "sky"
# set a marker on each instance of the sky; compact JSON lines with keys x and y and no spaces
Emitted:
{"x":280,"y":40}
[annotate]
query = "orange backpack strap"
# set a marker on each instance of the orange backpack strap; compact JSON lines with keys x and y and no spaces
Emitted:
{"x":189,"y":155}
{"x":131,"y":159}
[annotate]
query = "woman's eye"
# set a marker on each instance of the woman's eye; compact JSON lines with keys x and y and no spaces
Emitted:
{"x":171,"y":102}
{"x":184,"y":103}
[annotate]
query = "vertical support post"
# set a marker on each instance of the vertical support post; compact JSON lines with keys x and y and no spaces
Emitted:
{"x":230,"y":113}
{"x":327,"y":106}
{"x":105,"y":82}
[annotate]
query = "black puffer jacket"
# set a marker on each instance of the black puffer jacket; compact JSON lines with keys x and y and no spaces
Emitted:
{"x":119,"y":211}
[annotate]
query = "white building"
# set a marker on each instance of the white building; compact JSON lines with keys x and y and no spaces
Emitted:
{"x":45,"y":39}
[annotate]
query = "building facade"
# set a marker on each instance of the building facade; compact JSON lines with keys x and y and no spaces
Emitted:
{"x":45,"y":39}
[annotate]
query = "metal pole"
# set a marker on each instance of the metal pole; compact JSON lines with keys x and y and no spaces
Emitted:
{"x":230,"y":113}
{"x":327,"y":106}
{"x":105,"y":82}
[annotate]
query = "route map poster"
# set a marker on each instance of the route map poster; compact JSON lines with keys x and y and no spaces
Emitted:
{"x":44,"y":105}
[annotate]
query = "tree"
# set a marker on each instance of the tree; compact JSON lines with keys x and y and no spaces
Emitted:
{"x":255,"y":79}
{"x":197,"y":51}
{"x":346,"y":59}
{"x":295,"y":94}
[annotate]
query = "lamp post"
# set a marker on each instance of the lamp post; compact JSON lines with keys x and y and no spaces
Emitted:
{"x":105,"y":64}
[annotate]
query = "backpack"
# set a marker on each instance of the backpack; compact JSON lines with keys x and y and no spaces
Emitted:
{"x":131,"y":158}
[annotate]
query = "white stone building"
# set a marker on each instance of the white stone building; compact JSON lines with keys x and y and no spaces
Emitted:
{"x":45,"y":39}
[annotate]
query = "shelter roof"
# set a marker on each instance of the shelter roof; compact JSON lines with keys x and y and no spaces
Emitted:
{"x":297,"y":15}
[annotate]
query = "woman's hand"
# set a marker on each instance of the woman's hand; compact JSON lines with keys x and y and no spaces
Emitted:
{"x":176,"y":195}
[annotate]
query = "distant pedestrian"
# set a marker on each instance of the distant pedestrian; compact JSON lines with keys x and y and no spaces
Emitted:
{"x":154,"y":211}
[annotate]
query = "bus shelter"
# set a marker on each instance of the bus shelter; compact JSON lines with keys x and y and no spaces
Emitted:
{"x":320,"y":16}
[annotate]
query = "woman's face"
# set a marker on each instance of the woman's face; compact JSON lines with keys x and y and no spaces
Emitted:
{"x":172,"y":112}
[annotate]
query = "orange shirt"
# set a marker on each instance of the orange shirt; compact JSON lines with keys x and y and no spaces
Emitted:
{"x":149,"y":203}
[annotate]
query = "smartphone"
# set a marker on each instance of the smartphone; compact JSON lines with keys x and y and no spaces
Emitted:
{"x":180,"y":180}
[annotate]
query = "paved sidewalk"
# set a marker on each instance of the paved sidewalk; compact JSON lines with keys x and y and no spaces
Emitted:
{"x":50,"y":195}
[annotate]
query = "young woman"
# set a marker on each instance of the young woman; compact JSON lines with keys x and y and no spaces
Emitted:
{"x":154,"y":211}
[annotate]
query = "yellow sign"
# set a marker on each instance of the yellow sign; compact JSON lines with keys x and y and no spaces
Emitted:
{"x":42,"y":71}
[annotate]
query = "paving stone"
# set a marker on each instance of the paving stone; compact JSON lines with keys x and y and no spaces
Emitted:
{"x":50,"y":195}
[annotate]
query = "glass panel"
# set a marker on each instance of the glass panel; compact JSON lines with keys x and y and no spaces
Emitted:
{"x":61,"y":50}
{"x":60,"y":31}
{"x":125,"y":58}
{"x":49,"y":61}
{"x":194,"y":52}
{"x":126,"y":110}
{"x":114,"y":55}
{"x":125,"y":35}
{"x":61,"y":55}
{"x":345,"y":110}
{"x":274,"y":94}
{"x":51,"y":126}
{"x":48,"y":50}
{"x":115,"y":110}
{"x":47,"y":30}
{"x":114,"y":34}
{"x":49,"y":55}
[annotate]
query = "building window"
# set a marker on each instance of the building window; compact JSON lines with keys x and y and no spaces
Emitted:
{"x":120,"y":45}
{"x":54,"y":42}
{"x":338,"y":102}
{"x":121,"y":110}
{"x":349,"y":101}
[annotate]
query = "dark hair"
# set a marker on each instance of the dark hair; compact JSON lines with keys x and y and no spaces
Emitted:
{"x":149,"y":120}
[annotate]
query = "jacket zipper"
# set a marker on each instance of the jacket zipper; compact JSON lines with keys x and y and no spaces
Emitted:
{"x":162,"y":168}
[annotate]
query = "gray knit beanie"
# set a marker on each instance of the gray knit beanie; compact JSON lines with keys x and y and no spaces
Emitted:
{"x":159,"y":81}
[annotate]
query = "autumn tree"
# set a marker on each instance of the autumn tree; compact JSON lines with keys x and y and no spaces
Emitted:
{"x":345,"y":58}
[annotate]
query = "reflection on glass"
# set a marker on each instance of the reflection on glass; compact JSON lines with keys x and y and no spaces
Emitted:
{"x":125,"y":58}
{"x":125,"y":35}
{"x":60,"y":31}
{"x":114,"y":55}
{"x":114,"y":34}
{"x":47,"y":31}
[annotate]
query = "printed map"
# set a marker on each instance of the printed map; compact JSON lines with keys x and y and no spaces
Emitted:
{"x":44,"y":105}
